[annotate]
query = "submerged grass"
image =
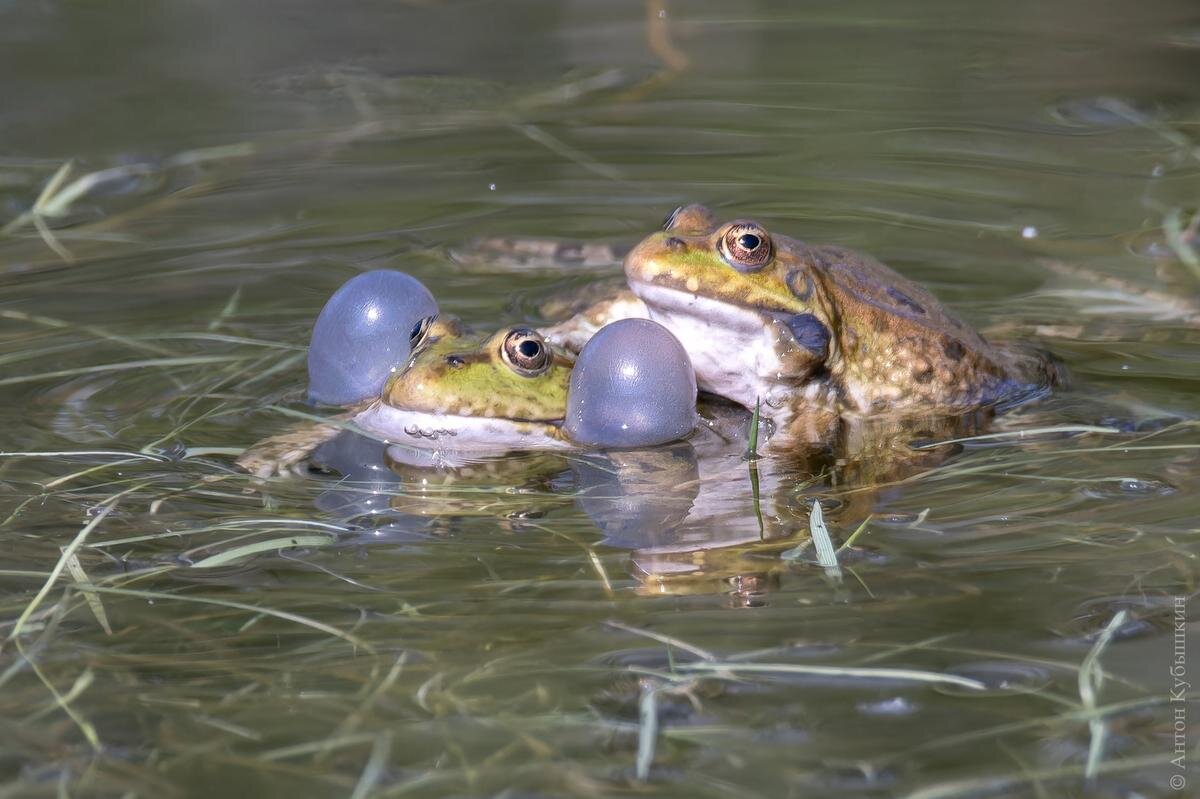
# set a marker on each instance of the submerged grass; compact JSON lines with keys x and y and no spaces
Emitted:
{"x":1091,"y":680}
{"x":488,"y":628}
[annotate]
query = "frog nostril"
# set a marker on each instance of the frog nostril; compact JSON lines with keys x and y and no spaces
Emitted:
{"x":454,"y":361}
{"x":675,"y":243}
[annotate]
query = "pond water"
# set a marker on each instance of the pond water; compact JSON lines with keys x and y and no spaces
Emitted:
{"x":1012,"y":621}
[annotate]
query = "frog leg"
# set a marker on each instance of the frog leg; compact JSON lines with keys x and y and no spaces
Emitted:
{"x":576,"y":331}
{"x":530,"y":254}
{"x":1138,"y":304}
{"x":286,"y":454}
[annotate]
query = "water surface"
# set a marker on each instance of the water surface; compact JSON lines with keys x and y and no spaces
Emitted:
{"x":510,"y":631}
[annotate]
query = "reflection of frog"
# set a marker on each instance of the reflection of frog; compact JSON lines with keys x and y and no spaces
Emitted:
{"x":812,"y":332}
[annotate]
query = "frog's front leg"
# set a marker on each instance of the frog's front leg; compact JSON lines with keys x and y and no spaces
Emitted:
{"x":287,"y":453}
{"x":576,"y":331}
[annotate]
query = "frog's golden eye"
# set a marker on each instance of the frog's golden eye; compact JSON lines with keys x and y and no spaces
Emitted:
{"x":420,"y":330}
{"x":526,"y":352}
{"x":746,"y":246}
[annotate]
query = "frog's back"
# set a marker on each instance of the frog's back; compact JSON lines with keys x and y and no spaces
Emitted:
{"x":901,"y":348}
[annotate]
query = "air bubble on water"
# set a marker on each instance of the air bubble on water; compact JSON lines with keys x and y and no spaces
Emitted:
{"x":1029,"y":232}
{"x":491,"y":187}
{"x":1158,"y":171}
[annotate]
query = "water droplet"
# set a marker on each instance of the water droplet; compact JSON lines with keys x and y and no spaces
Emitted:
{"x":1029,"y":232}
{"x":491,"y":187}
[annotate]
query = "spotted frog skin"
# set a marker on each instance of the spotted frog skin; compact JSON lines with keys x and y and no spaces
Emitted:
{"x":814,"y":330}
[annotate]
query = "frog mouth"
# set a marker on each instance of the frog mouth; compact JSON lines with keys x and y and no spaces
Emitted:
{"x":443,"y":431}
{"x":720,"y":314}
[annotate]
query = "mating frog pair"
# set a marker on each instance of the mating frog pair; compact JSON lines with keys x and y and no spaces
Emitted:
{"x":812,"y":335}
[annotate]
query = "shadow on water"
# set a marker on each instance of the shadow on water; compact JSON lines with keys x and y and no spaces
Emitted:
{"x":180,"y":191}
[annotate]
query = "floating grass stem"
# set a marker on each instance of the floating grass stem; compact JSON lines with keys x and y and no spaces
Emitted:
{"x":826,"y":556}
{"x":271,"y":545}
{"x":734,"y":669}
{"x":1181,"y":240}
{"x":296,"y":618}
{"x":373,"y":771}
{"x":647,"y":729}
{"x":1091,"y":679}
{"x":67,"y":553}
{"x":860,"y":530}
{"x":97,"y":607}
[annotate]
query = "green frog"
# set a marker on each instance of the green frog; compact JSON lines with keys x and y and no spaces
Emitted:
{"x":463,"y":391}
{"x":475,"y":393}
{"x":812,"y":334}
{"x":463,"y":395}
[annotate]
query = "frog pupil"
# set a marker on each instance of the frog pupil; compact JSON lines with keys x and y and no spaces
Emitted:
{"x":748,"y":241}
{"x":529,"y":349}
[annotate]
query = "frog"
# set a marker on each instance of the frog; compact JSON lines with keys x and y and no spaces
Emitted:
{"x":463,"y":394}
{"x":475,"y":393}
{"x":459,"y":390}
{"x":809,"y":334}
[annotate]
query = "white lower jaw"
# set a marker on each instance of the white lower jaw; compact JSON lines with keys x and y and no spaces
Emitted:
{"x":732,"y":349}
{"x":446,"y":432}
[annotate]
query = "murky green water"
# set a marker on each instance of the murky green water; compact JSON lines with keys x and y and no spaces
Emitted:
{"x":514,"y":632}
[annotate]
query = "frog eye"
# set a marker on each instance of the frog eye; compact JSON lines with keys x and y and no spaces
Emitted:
{"x":526,"y":352}
{"x":419,"y":331}
{"x":746,"y":246}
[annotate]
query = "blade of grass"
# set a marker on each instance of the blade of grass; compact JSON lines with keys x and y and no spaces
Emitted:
{"x":860,"y":530}
{"x":374,"y":769}
{"x":1091,"y":680}
{"x":193,"y":360}
{"x":271,"y":545}
{"x":1177,"y":240}
{"x":97,"y":607}
{"x":81,"y":684}
{"x":826,"y":556}
{"x":647,"y":729}
{"x":752,"y":446}
{"x":904,"y":675}
{"x":67,"y":552}
{"x":663,"y":639}
{"x":349,"y":638}
{"x":93,"y":330}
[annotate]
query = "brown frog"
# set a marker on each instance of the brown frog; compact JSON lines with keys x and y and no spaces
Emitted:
{"x":811,"y":333}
